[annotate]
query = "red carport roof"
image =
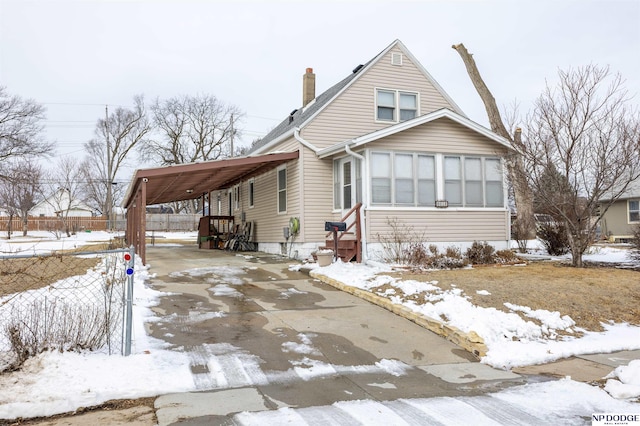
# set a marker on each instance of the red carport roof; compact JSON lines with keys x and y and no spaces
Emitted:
{"x":190,"y":181}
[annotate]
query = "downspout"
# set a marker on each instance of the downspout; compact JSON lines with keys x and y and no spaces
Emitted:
{"x":296,"y":135}
{"x":365,"y":199}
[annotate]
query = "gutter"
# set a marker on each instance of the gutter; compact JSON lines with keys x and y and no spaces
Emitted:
{"x":296,"y":134}
{"x":365,"y":199}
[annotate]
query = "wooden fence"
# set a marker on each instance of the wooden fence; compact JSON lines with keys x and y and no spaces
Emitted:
{"x":155,"y":222}
{"x":77,"y":224}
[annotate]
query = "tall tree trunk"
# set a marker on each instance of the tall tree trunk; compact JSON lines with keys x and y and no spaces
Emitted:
{"x":525,"y":226}
{"x":9,"y":226}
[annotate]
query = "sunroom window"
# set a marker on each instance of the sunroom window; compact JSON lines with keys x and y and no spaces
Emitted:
{"x":493,"y":182}
{"x":412,"y":179}
{"x":453,"y":181}
{"x":426,"y":180}
{"x":403,"y":173}
{"x":381,"y":178}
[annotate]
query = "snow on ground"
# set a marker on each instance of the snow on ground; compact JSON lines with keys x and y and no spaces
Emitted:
{"x":54,"y":382}
{"x":511,"y":340}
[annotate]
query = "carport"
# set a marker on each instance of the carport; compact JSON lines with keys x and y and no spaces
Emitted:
{"x":188,"y":182}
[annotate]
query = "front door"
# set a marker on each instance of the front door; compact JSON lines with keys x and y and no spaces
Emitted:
{"x":349,"y":185}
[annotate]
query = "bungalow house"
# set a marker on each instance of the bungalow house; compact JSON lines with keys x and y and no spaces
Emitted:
{"x":61,"y":204}
{"x":619,"y":220}
{"x":384,"y":146}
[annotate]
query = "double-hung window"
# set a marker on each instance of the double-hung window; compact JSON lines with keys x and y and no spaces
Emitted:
{"x":426,"y":180}
{"x":453,"y":180}
{"x":408,"y":106}
{"x":386,"y":105}
{"x":381,"y":178}
{"x":403,"y":178}
{"x":282,"y":190}
{"x":473,"y":182}
{"x":494,"y":196}
{"x":394,"y":105}
{"x":634,"y":210}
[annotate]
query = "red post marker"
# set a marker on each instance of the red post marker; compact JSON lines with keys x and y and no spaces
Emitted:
{"x":127,"y":257}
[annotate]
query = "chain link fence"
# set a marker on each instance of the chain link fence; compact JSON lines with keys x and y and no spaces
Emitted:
{"x":66,"y":302}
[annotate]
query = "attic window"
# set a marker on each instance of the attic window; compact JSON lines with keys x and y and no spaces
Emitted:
{"x":396,"y":58}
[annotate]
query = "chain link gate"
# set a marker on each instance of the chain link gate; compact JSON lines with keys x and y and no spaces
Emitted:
{"x":66,"y":302}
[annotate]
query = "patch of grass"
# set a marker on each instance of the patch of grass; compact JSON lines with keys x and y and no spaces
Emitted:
{"x":18,"y":275}
{"x":590,"y":296}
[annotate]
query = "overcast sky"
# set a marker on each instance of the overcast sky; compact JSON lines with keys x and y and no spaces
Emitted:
{"x":75,"y":57}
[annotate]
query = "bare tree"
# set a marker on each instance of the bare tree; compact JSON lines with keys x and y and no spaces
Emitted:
{"x":117,"y":135}
{"x":20,"y":129}
{"x":582,"y":151}
{"x":63,"y":192}
{"x":524,"y":227}
{"x":190,"y":129}
{"x":18,"y":192}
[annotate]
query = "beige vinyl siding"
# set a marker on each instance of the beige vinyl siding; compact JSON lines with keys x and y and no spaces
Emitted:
{"x":440,"y":136}
{"x":318,"y":196}
{"x":616,"y":220}
{"x":443,"y":225}
{"x":314,"y":179}
{"x":268,"y":222}
{"x":353,"y":112}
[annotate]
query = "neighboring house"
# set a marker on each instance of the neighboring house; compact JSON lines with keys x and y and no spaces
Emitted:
{"x":619,"y":220}
{"x":386,"y":136}
{"x":61,"y":204}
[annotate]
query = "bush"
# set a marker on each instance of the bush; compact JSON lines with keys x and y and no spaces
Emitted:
{"x":506,"y":256}
{"x":398,"y":244}
{"x":481,"y":253}
{"x":554,"y":237}
{"x":431,"y":258}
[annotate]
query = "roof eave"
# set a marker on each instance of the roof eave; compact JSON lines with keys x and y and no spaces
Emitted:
{"x":405,"y":125}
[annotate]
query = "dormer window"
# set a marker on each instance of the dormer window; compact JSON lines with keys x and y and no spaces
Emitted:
{"x":387,"y":102}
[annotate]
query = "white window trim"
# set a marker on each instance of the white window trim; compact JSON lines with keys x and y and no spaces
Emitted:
{"x":629,"y":221}
{"x":278,"y":190}
{"x":236,"y":197}
{"x":439,"y":181}
{"x":396,"y":106}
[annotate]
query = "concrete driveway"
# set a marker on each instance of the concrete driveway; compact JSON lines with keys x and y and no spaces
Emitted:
{"x":261,"y":337}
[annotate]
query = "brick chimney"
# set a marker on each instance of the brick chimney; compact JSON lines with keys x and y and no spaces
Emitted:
{"x":308,"y":87}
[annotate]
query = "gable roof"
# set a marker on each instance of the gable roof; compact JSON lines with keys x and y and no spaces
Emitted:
{"x":404,"y":125}
{"x":58,"y":199}
{"x":302,"y":116}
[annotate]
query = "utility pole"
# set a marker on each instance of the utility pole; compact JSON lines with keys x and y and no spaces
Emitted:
{"x":108,"y":182}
